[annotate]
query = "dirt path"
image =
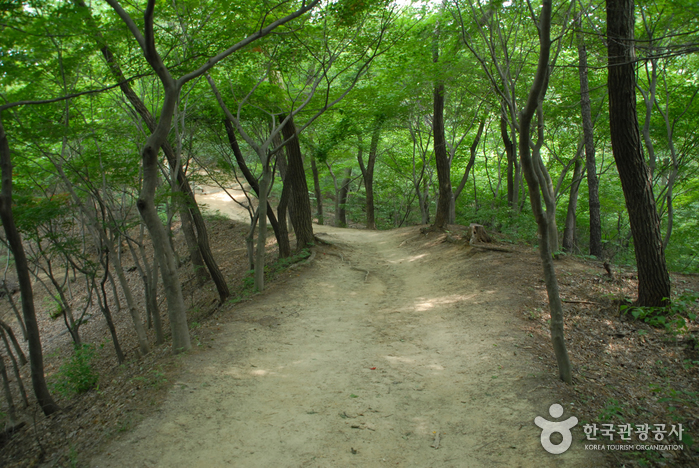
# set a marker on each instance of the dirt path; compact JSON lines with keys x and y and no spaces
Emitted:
{"x":330,"y":370}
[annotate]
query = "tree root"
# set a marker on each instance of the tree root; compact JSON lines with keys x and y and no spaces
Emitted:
{"x":342,"y":258}
{"x":305,"y":262}
{"x":322,"y":241}
{"x":495,"y":249}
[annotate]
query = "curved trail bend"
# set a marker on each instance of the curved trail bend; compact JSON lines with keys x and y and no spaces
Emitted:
{"x":330,"y":370}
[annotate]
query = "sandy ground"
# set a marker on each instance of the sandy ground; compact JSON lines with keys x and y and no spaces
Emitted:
{"x":336,"y":369}
{"x":216,"y":199}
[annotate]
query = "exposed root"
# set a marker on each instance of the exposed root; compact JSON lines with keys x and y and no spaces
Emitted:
{"x":305,"y":262}
{"x":342,"y":258}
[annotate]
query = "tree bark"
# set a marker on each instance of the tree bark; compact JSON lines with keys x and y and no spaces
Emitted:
{"x":589,"y":138}
{"x":190,"y":237}
{"x":441,"y":217}
{"x":653,"y":277}
{"x":262,"y":228}
{"x":36,"y":359}
{"x":197,"y":219}
{"x":368,"y":171}
{"x":471,"y":160}
{"x":569,"y":230}
{"x":301,"y":214}
{"x":8,"y":393}
{"x":282,"y":237}
{"x":344,"y":190}
{"x":15,"y":343}
{"x":102,"y":235}
{"x":146,"y":206}
{"x":317,"y":190}
{"x":536,"y":94}
{"x":104,"y":307}
{"x":512,"y":165}
{"x":283,"y":206}
{"x":15,"y":367}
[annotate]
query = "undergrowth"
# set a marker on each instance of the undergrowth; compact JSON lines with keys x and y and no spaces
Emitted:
{"x":77,"y":374}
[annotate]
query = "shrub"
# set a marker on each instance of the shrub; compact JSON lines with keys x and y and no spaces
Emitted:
{"x":77,"y":375}
{"x":672,"y":318}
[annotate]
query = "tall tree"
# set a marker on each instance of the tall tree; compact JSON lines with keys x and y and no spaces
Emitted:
{"x":589,"y":138}
{"x":36,"y":360}
{"x":535,"y":183}
{"x":301,"y":215}
{"x":653,"y":277}
{"x":441,"y":217}
{"x":171,"y":87}
{"x":368,"y":170}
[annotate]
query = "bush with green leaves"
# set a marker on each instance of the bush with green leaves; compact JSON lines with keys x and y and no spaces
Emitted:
{"x":673,"y":318}
{"x":77,"y":374}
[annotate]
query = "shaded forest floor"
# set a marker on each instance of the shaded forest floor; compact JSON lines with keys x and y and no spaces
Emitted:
{"x":333,"y":367}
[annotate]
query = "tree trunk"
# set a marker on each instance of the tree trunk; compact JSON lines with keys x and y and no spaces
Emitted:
{"x":48,"y":406}
{"x":15,"y":368}
{"x":544,"y":179}
{"x":317,"y":190}
{"x":344,"y":191}
{"x":282,"y":237}
{"x":166,"y":259}
{"x":103,"y":303}
{"x":512,"y":165}
{"x":336,"y":187}
{"x":368,"y":171}
{"x":653,"y":277}
{"x":262,"y":228}
{"x":190,"y":202}
{"x":18,"y":316}
{"x":285,"y":200}
{"x":441,"y":217}
{"x":102,"y":235}
{"x":536,"y":94}
{"x":569,"y":231}
{"x":15,"y":343}
{"x":190,"y":236}
{"x":8,"y":393}
{"x":301,"y":214}
{"x":588,"y":135}
{"x":283,"y":208}
{"x":471,"y":160}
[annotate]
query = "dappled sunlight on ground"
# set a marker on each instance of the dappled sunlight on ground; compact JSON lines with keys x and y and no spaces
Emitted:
{"x":401,"y":359}
{"x":427,"y":304}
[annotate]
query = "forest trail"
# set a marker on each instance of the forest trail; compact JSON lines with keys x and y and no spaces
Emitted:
{"x":332,"y":369}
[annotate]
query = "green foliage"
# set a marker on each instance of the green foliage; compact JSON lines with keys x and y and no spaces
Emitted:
{"x":612,"y":411}
{"x":271,"y":271}
{"x":154,"y":378}
{"x":673,"y":318}
{"x":77,"y":374}
{"x":213,"y":215}
{"x":53,"y":307}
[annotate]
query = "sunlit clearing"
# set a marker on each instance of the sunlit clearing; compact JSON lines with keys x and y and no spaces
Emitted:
{"x":404,"y":360}
{"x":241,"y":374}
{"x":407,"y":259}
{"x":223,"y":196}
{"x":428,"y":304}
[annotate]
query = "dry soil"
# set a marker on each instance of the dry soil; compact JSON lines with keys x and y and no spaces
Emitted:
{"x":419,"y":363}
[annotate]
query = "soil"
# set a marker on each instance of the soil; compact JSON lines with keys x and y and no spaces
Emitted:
{"x":392,"y":349}
{"x":398,"y":348}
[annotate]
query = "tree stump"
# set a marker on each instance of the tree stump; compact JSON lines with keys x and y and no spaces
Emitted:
{"x":478,"y":234}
